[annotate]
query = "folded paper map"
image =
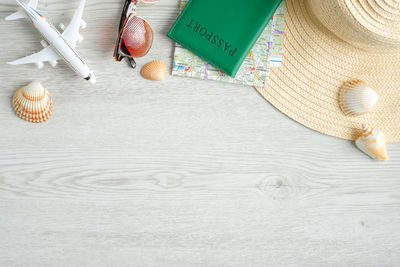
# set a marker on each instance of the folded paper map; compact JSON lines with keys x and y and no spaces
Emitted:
{"x":266,"y":53}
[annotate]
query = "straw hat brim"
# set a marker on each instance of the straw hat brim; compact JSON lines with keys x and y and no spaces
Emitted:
{"x":315,"y":65}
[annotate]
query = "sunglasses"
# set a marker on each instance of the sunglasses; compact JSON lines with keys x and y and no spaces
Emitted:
{"x":135,"y":35}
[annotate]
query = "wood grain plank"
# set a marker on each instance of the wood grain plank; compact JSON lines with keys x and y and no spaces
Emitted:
{"x":177,"y":173}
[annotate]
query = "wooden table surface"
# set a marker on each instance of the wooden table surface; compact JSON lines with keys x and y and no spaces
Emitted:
{"x":182,"y":172}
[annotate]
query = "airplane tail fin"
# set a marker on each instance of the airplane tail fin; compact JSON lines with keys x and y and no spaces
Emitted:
{"x":17,"y":15}
{"x":21,"y":13}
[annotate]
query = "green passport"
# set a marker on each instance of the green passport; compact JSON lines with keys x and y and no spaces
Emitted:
{"x":222,"y":31}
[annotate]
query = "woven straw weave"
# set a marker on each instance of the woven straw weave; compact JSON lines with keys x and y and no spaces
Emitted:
{"x":316,"y":62}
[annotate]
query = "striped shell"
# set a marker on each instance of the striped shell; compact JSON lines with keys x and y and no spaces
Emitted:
{"x":356,"y":98}
{"x":33,"y":102}
{"x":372,"y":142}
{"x":154,"y":70}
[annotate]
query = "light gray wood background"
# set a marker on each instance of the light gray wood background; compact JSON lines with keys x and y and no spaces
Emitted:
{"x":176,"y":173}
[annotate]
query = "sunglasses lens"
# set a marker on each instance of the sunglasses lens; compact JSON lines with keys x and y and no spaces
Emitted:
{"x":137,"y":37}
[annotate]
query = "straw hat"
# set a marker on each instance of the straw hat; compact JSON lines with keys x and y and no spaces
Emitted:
{"x":329,"y":42}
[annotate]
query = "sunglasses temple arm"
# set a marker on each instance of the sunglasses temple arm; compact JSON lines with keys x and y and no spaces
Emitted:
{"x":132,"y":62}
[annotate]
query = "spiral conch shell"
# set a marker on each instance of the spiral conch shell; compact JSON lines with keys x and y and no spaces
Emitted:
{"x":356,"y":98}
{"x":33,"y":102}
{"x":372,"y":142}
{"x":154,"y":70}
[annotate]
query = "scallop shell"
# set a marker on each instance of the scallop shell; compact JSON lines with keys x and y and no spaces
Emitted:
{"x":356,"y":98}
{"x":372,"y":142}
{"x":33,"y":102}
{"x":154,"y":70}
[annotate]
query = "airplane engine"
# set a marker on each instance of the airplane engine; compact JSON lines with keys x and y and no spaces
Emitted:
{"x":53,"y":63}
{"x":83,"y":24}
{"x":80,"y":38}
{"x":39,"y":64}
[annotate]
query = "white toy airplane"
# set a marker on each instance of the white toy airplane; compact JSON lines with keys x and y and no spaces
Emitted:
{"x":57,"y":46}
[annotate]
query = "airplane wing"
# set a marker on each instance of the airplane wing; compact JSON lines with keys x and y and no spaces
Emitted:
{"x":71,"y":32}
{"x":46,"y":54}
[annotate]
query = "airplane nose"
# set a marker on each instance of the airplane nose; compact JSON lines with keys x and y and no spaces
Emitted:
{"x":91,"y":78}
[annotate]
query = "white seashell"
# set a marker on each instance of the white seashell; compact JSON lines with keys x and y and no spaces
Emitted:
{"x":33,"y":102}
{"x":154,"y":70}
{"x":356,"y":98}
{"x":372,"y":142}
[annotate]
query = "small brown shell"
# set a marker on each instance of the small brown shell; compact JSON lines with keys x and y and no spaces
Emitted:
{"x":33,"y":103}
{"x":154,"y":70}
{"x":373,"y":143}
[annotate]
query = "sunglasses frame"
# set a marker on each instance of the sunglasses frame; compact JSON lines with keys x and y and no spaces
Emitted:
{"x":128,"y":12}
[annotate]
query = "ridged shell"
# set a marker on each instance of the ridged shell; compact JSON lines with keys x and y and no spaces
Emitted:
{"x":356,"y":98}
{"x":33,"y":102}
{"x":372,"y":142}
{"x":154,"y":70}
